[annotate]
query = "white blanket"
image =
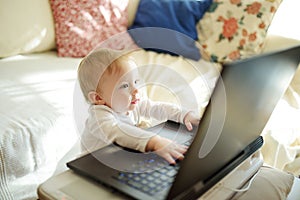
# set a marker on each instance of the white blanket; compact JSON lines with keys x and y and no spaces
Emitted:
{"x":36,"y":127}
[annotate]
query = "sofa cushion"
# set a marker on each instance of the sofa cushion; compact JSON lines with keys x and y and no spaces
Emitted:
{"x":175,"y":23}
{"x":25,"y":28}
{"x":81,"y":26}
{"x":239,"y":28}
{"x":270,"y":183}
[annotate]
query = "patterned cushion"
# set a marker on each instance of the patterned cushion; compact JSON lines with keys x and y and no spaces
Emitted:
{"x":80,"y":26}
{"x":233,"y":29}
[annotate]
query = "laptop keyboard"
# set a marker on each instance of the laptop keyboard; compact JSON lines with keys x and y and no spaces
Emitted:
{"x":151,"y":181}
{"x":150,"y":176}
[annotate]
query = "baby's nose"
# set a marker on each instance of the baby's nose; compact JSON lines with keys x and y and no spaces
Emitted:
{"x":135,"y":91}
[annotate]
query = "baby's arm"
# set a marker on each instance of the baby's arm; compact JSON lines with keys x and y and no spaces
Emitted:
{"x":130,"y":136}
{"x":133,"y":137}
{"x":167,"y":111}
{"x":109,"y":129}
{"x":103,"y":127}
{"x":167,"y":149}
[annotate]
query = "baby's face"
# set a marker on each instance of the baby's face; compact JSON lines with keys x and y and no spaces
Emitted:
{"x":120,"y":90}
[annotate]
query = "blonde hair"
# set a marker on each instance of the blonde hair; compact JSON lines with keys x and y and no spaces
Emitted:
{"x":93,"y":66}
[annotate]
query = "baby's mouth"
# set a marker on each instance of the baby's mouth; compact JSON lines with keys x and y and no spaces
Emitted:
{"x":135,"y":101}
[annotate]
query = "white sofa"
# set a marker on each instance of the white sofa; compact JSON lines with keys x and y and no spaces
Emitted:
{"x":39,"y":97}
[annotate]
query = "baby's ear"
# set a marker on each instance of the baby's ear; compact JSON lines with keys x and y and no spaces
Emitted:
{"x":95,"y":98}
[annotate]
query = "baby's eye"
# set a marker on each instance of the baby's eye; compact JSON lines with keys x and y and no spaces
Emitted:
{"x":137,"y":81}
{"x":124,"y":86}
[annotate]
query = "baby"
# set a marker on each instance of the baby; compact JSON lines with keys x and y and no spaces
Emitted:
{"x":110,"y":82}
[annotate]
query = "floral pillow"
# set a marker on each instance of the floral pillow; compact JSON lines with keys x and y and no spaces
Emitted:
{"x":234,"y":29}
{"x":80,"y":26}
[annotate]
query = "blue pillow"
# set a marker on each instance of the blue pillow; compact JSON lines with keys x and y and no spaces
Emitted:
{"x":169,"y":26}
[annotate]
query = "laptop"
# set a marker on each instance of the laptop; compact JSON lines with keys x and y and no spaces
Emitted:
{"x":242,"y":102}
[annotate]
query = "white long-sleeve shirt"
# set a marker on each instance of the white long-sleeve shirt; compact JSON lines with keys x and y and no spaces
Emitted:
{"x":105,"y":126}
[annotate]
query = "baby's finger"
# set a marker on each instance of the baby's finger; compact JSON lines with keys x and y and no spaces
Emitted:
{"x":178,"y":155}
{"x":169,"y":159}
{"x":182,"y":149}
{"x":189,"y":125}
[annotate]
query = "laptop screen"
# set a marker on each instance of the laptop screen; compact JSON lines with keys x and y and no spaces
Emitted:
{"x":241,"y":104}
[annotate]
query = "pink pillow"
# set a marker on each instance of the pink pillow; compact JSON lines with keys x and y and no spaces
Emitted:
{"x":82,"y":25}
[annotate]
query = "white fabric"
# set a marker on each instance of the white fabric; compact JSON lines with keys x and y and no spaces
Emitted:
{"x":285,"y":20}
{"x":282,"y":134}
{"x":36,"y":126}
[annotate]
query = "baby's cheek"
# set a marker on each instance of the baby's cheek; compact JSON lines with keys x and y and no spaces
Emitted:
{"x":121,"y":102}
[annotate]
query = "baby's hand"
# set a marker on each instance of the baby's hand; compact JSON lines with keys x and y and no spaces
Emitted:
{"x":166,"y":148}
{"x":190,"y":119}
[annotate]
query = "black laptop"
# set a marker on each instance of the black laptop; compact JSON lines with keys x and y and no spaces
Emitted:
{"x":228,"y":133}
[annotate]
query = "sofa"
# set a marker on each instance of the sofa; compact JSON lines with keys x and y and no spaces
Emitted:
{"x":42,"y":42}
